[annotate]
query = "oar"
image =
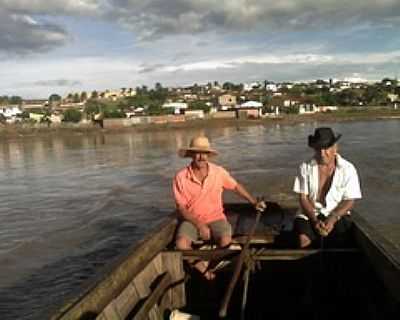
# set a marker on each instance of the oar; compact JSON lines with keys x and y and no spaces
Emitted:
{"x":238,"y":267}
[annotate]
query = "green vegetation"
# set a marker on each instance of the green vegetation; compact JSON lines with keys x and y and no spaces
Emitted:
{"x":4,"y":100}
{"x":72,"y":115}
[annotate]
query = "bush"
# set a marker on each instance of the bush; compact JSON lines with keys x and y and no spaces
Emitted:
{"x":72,"y":115}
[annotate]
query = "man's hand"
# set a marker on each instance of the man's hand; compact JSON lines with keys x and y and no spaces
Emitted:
{"x":330,"y":223}
{"x":260,"y":206}
{"x":320,"y":227}
{"x":204,"y":231}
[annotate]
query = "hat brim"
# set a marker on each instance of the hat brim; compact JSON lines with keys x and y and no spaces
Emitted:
{"x":322,"y":144}
{"x":186,"y":153}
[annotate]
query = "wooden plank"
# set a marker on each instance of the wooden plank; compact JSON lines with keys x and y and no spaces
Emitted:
{"x":173,"y":263}
{"x":256,"y":239}
{"x":154,"y":297}
{"x":110,"y":313}
{"x":155,"y":314}
{"x":382,"y":254}
{"x":117,"y":275}
{"x":158,"y":263}
{"x":144,"y":279}
{"x":127,"y":300}
{"x":266,"y":254}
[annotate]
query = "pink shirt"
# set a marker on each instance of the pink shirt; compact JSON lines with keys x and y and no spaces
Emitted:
{"x":203,"y":201}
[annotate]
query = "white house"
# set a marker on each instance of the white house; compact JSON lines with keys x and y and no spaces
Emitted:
{"x":10,"y":111}
{"x":251,"y":104}
{"x":307,"y":109}
{"x":271,"y":87}
{"x":177,"y":106}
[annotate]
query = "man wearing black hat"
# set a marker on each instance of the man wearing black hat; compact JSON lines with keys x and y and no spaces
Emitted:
{"x":327,"y":186}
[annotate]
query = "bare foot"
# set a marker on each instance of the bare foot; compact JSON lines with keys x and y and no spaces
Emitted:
{"x":202,"y":267}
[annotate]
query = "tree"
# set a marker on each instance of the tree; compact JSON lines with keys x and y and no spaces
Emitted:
{"x":15,"y":100}
{"x":158,"y":87}
{"x":84,"y":96}
{"x":54,"y":98}
{"x":94,"y":94}
{"x":76,"y":98}
{"x":199,"y":105}
{"x":72,"y":115}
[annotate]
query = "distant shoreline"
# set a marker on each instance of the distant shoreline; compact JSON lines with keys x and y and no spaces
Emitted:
{"x":16,"y":131}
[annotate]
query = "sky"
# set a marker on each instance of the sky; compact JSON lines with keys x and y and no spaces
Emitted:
{"x":63,"y":46}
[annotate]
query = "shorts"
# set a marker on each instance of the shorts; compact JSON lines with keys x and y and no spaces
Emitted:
{"x":219,"y":229}
{"x":338,"y":236}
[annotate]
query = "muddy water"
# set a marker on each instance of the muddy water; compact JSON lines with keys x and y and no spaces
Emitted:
{"x":70,"y":204}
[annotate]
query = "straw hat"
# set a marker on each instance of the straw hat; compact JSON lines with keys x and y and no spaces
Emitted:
{"x":197,"y":144}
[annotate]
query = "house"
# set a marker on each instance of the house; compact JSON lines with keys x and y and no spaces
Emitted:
{"x":307,"y":109}
{"x":36,"y":116}
{"x":393,"y":97}
{"x":10,"y":111}
{"x":227,"y":100}
{"x":249,"y":110}
{"x":290,"y":102}
{"x":271,"y":87}
{"x":177,"y":106}
{"x":34,"y":104}
{"x":251,"y":104}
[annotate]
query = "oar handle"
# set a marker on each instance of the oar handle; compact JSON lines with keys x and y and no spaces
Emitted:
{"x":238,"y":267}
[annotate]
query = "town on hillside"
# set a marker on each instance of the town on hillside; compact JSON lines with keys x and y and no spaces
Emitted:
{"x":128,"y":106}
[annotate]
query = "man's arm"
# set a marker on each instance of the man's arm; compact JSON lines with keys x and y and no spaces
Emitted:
{"x":335,"y":215}
{"x":241,"y":191}
{"x":307,"y":207}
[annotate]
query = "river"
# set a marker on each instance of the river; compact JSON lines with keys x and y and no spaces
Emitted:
{"x":70,"y":204}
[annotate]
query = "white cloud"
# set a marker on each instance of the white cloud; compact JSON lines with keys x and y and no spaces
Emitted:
{"x":305,"y":59}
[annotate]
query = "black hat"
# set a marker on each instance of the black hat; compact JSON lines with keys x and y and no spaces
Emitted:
{"x":323,"y":138}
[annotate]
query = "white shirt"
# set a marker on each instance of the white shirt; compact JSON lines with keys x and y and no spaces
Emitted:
{"x":345,"y":184}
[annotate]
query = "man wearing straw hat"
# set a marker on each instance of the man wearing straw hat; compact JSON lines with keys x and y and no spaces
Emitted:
{"x":198,"y":192}
{"x":328,"y":186}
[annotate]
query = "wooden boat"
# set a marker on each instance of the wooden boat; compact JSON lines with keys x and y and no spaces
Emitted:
{"x":153,"y":281}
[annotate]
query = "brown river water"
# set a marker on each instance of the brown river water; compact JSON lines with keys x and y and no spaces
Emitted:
{"x":70,"y":204}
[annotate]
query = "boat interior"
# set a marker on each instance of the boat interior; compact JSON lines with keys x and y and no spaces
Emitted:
{"x":257,"y":277}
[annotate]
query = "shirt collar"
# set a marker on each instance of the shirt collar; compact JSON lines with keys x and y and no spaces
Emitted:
{"x":339,"y":161}
{"x":190,"y":174}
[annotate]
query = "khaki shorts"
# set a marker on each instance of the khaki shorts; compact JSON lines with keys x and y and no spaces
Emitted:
{"x":219,"y":229}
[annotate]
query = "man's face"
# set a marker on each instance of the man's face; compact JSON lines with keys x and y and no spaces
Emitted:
{"x":326,"y":156}
{"x":200,"y":159}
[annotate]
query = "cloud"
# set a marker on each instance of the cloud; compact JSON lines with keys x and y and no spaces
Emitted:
{"x":57,"y":83}
{"x":23,"y":34}
{"x":281,"y":59}
{"x":57,"y":7}
{"x":25,"y":31}
{"x":156,"y":18}
{"x":148,"y":68}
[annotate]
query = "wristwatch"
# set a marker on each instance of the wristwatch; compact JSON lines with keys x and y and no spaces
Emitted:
{"x":336,"y":216}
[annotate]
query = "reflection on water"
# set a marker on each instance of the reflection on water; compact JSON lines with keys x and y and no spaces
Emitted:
{"x":71,"y":203}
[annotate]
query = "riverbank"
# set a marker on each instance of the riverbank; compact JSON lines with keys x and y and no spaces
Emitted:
{"x":16,"y":131}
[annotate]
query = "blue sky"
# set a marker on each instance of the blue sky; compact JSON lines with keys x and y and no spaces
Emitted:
{"x":63,"y":46}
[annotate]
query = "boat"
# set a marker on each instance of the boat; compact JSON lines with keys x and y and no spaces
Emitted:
{"x":260,"y":276}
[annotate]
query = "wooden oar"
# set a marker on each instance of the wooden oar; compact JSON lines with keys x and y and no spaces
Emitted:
{"x":238,"y":267}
